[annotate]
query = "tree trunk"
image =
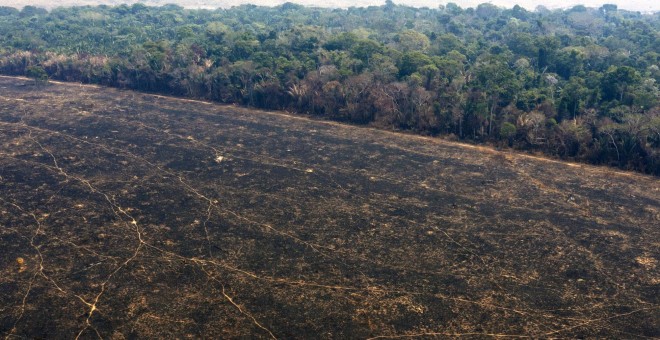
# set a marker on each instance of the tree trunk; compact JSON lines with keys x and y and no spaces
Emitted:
{"x":490,"y":119}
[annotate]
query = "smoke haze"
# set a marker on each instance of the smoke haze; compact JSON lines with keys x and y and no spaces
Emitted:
{"x":633,"y":5}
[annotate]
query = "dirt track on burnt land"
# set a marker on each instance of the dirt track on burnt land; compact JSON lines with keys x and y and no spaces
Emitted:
{"x":131,"y":215}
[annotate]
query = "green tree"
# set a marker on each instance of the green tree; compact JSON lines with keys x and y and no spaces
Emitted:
{"x":412,"y":61}
{"x":498,"y":82}
{"x":572,"y":97}
{"x":38,"y":74}
{"x":508,"y":131}
{"x":617,"y":81}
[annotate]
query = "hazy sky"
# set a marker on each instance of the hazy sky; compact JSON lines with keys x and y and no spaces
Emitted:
{"x":635,"y":5}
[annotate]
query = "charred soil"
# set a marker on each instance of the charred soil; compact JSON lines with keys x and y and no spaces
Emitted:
{"x":131,"y":215}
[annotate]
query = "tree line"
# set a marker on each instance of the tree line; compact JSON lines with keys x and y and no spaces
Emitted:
{"x":579,"y":84}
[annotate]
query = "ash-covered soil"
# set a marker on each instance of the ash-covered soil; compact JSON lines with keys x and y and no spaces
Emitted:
{"x":126,"y":215}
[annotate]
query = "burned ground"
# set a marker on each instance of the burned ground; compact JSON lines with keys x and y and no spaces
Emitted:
{"x":131,"y":215}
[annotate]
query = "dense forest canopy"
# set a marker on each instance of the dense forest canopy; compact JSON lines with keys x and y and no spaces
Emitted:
{"x":579,"y":84}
